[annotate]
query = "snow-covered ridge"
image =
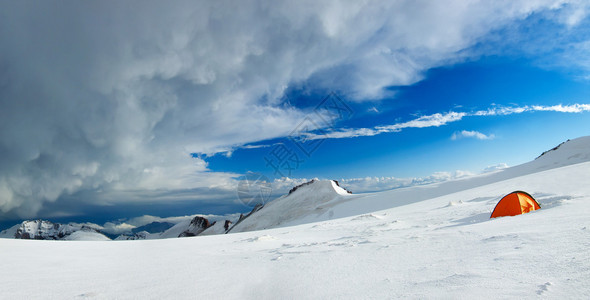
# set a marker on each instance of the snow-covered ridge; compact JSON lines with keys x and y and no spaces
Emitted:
{"x":552,"y":149}
{"x":567,"y":153}
{"x":304,"y":203}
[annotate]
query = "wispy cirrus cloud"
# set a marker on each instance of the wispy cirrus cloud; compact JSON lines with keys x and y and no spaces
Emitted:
{"x":441,"y":119}
{"x":504,"y":111}
{"x":434,"y":120}
{"x":230,"y":150}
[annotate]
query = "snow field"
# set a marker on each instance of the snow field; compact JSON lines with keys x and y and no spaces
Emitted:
{"x":444,"y":247}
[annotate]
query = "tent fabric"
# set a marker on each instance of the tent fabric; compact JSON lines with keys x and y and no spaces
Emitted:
{"x":515,"y":203}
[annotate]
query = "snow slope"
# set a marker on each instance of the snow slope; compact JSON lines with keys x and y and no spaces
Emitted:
{"x":217,"y":228}
{"x":425,"y":243}
{"x":82,"y":235}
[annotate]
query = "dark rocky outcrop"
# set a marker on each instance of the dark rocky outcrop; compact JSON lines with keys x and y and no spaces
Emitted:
{"x":303,"y":184}
{"x":142,"y":235}
{"x":198,"y":224}
{"x":227,"y":225}
{"x":552,"y":149}
{"x":242,"y":217}
{"x":312,"y":181}
{"x":338,"y":184}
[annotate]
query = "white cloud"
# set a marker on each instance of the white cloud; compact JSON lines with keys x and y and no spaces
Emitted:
{"x":575,"y":108}
{"x":230,"y":151}
{"x":117,"y":228}
{"x":572,"y":15}
{"x":281,"y":186}
{"x":434,"y":120}
{"x":373,"y":109}
{"x":501,"y":111}
{"x":110,"y":99}
{"x":495,"y":168}
{"x":471,"y":134}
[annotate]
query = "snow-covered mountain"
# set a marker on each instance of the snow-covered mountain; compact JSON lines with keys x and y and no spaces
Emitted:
{"x":45,"y":230}
{"x":303,"y":203}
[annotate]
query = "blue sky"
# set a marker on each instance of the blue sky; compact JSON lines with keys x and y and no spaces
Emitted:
{"x":113,"y":110}
{"x":476,"y":85}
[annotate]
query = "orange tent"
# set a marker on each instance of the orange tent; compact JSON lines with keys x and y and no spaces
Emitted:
{"x":515,"y":203}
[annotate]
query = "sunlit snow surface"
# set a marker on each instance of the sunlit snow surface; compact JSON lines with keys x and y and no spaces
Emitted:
{"x":426,"y":242}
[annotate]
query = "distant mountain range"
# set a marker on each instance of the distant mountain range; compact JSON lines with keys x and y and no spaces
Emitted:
{"x":46,"y":230}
